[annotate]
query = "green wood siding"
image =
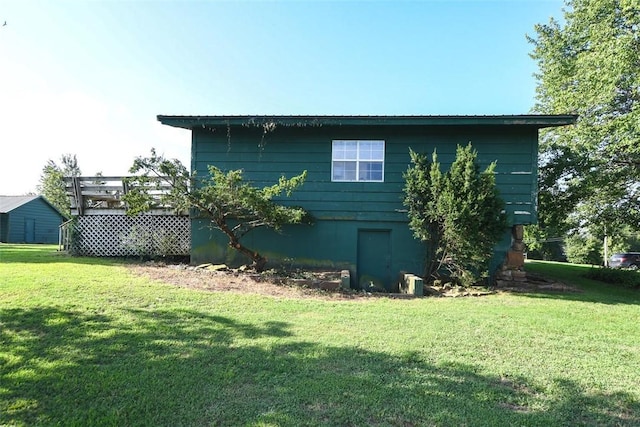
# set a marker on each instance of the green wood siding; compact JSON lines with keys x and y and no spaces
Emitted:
{"x":289,"y":151}
{"x":341,"y":209}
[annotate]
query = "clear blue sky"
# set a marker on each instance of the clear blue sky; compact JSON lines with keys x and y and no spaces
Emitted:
{"x":89,"y":77}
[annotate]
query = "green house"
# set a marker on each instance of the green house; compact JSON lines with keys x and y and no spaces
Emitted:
{"x":28,"y":219}
{"x":355,"y":167}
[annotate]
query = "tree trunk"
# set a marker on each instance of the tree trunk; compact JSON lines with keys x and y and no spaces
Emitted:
{"x":258,"y":261}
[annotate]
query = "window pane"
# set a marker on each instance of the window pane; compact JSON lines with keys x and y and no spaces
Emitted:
{"x":344,"y":171}
{"x":377,"y":151}
{"x":365,"y":153}
{"x":371,"y":150}
{"x":345,"y":150}
{"x":365,"y":150}
{"x":370,"y":171}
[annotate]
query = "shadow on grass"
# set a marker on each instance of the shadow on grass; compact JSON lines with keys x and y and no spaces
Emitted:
{"x":188,"y":368}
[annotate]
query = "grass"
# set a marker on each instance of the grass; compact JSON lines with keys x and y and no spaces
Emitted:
{"x":84,"y":342}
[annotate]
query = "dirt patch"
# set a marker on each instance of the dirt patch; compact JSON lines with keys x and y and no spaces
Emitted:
{"x":538,"y":284}
{"x":220,"y":279}
{"x":309,"y":284}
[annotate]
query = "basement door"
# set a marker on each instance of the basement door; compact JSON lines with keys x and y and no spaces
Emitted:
{"x":374,"y":259}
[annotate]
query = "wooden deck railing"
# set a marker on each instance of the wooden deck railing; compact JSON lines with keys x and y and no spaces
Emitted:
{"x":102,"y":195}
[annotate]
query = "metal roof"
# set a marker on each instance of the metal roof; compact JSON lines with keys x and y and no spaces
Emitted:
{"x":9,"y":203}
{"x":530,"y":120}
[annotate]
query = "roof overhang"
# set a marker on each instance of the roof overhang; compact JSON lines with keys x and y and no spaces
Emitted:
{"x":536,"y":121}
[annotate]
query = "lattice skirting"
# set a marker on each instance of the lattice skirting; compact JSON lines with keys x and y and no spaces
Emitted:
{"x":121,"y":235}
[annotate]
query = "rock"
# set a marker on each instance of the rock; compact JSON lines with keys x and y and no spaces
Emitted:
{"x":519,"y":275}
{"x":515,"y":259}
{"x":506,"y":274}
{"x":518,"y":232}
{"x":518,"y":246}
{"x":329,"y":285}
{"x":217,"y":267}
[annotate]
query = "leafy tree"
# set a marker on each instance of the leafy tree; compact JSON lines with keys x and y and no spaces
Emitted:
{"x":584,"y":249}
{"x":70,"y":165}
{"x":590,"y":65}
{"x":543,"y":245}
{"x":458,"y":214}
{"x":232,"y":205}
{"x":626,"y":240}
{"x":52,"y":185}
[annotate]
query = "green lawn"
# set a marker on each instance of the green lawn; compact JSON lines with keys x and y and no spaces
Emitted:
{"x":84,"y":342}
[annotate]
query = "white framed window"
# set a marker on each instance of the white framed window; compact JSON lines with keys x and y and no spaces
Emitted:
{"x":354,"y":160}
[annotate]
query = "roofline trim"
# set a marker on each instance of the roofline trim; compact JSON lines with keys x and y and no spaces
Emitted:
{"x":537,"y":121}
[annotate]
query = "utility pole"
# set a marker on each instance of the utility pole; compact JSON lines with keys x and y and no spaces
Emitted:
{"x":606,"y":248}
